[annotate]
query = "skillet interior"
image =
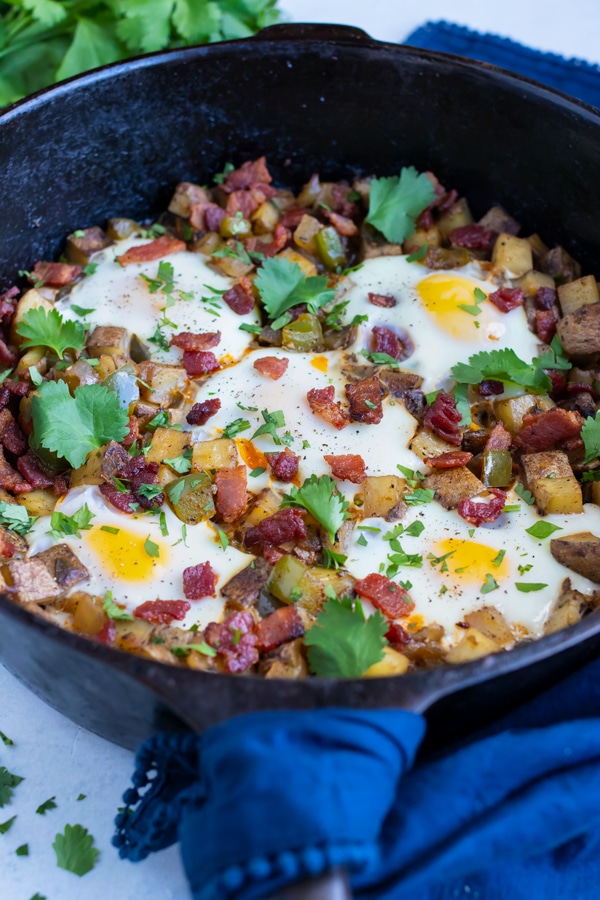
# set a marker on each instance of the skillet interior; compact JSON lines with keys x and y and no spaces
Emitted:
{"x":115,"y":142}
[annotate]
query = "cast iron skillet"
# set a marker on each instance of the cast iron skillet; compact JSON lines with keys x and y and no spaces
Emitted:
{"x":313,"y":98}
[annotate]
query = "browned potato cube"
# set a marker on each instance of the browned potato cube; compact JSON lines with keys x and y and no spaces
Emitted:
{"x":513,"y":254}
{"x":220,"y":453}
{"x":453,"y":485}
{"x":579,"y":332}
{"x":579,"y":552}
{"x":538,"y":246}
{"x":578,"y":293}
{"x":429,"y":236}
{"x":265,"y":218}
{"x":186,"y":194}
{"x":167,"y":443}
{"x":498,"y":220}
{"x":81,"y":245}
{"x":458,"y":215}
{"x":39,"y":502}
{"x":66,"y":569}
{"x":551,"y":480}
{"x":490,"y":621}
{"x":570,"y":608}
{"x":511,"y":410}
{"x":308,"y":267}
{"x":560,"y":265}
{"x":532,"y":281}
{"x":382,"y":496}
{"x":393,"y":663}
{"x":31,"y":580}
{"x":426,"y":444}
{"x":473,"y":645}
{"x":304,"y":235}
{"x":108,"y":339}
{"x":164,"y":385}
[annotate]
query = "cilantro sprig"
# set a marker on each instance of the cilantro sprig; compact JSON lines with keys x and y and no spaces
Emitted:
{"x":282,"y":284}
{"x":47,"y":328}
{"x":319,"y":496}
{"x":396,"y":202}
{"x":72,"y":426}
{"x":590,"y":434}
{"x":503,"y":365}
{"x":343,"y":643}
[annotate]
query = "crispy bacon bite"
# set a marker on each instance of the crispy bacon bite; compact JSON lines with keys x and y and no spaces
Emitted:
{"x":161,"y":612}
{"x":234,"y":640}
{"x":387,"y":596}
{"x":384,"y":300}
{"x":281,"y":626}
{"x":186,"y":340}
{"x":546,"y":430}
{"x":364,"y":398}
{"x":164,"y":245}
{"x":11,"y":480}
{"x":473,"y":237}
{"x":199,"y":362}
{"x":231,"y":497}
{"x":283,"y":526}
{"x":284,"y":465}
{"x":199,"y":581}
{"x":240,"y":298}
{"x":201,"y":412}
{"x":347,"y":467}
{"x":454,"y":459}
{"x":250,"y":173}
{"x":443,"y":419}
{"x":397,"y":345}
{"x":205,"y":216}
{"x":271,"y":366}
{"x":506,"y":298}
{"x":54,"y":274}
{"x":479,"y":512}
{"x":322,"y":404}
{"x":499,"y":438}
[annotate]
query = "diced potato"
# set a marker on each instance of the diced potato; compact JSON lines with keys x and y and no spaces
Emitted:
{"x":220,"y":453}
{"x":490,"y":622}
{"x":575,"y":294}
{"x":207,"y":244}
{"x":36,"y":357}
{"x":458,"y":215}
{"x":87,"y":611}
{"x":596,"y":492}
{"x":393,"y":663}
{"x":342,"y":537}
{"x":382,"y":496}
{"x":304,"y":235}
{"x":308,"y":267}
{"x":108,"y":339}
{"x":38,"y":502}
{"x":373,"y":244}
{"x":537,"y":245}
{"x":510,"y":411}
{"x":453,"y":485}
{"x":166,"y":384}
{"x":286,"y":661}
{"x":167,"y":443}
{"x":473,"y":645}
{"x":265,"y":218}
{"x":579,"y":552}
{"x":551,"y":480}
{"x":429,"y":236}
{"x":425,"y":444}
{"x":191,"y":497}
{"x":570,"y":608}
{"x":31,"y":580}
{"x":186,"y":194}
{"x":232,"y":266}
{"x":532,"y":281}
{"x":579,"y":332}
{"x":513,"y":254}
{"x":291,"y":581}
{"x":30,"y":300}
{"x":121,"y":228}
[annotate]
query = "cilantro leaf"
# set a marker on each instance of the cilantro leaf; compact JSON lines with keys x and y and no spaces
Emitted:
{"x":590,"y":434}
{"x":8,"y":781}
{"x":8,"y":742}
{"x":503,"y":365}
{"x":113,"y":611}
{"x":319,"y":496}
{"x":282,"y":285}
{"x":15,"y":517}
{"x":542,"y":530}
{"x":343,"y":643}
{"x":62,"y":524}
{"x":74,"y":850}
{"x":48,"y":329}
{"x":46,"y":806}
{"x":6,"y":826}
{"x":73,"y":426}
{"x":395,"y":203}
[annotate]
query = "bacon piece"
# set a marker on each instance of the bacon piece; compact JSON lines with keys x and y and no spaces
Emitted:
{"x":292,"y":217}
{"x":187,"y":340}
{"x":281,"y":237}
{"x":206,"y":216}
{"x":11,"y":435}
{"x":133,"y":434}
{"x":4,"y":396}
{"x":384,"y":340}
{"x":107,"y":633}
{"x":545,"y":298}
{"x":60,"y":485}
{"x":199,"y":581}
{"x":201,"y":412}
{"x":240,"y":298}
{"x":284,"y":465}
{"x":231,"y":498}
{"x":477,"y":513}
{"x":162,"y":246}
{"x":283,"y":526}
{"x":384,"y":300}
{"x":341,"y":204}
{"x":55,"y":274}
{"x":272,"y":554}
{"x":545,"y":324}
{"x":364,"y":398}
{"x":234,"y":640}
{"x":18,"y":388}
{"x":347,"y":467}
{"x":11,"y":480}
{"x":397,"y":636}
{"x":499,"y":438}
{"x":162,"y":612}
{"x":387,"y":596}
{"x":322,"y":404}
{"x":506,"y":298}
{"x":199,"y":362}
{"x":249,"y":173}
{"x":119,"y":499}
{"x":7,"y":356}
{"x":271,"y":366}
{"x":342,"y":224}
{"x":136,"y":472}
{"x":8,"y":302}
{"x":473,"y":237}
{"x":29,"y":467}
{"x":454,"y":459}
{"x":442,"y":418}
{"x":544,"y":431}
{"x":281,"y":626}
{"x":489,"y":387}
{"x":244,"y":202}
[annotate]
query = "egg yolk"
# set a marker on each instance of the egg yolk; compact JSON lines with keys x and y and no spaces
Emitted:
{"x":469,"y":562}
{"x":253,"y":458}
{"x":126,"y":555}
{"x":443,"y":297}
{"x":321,"y":363}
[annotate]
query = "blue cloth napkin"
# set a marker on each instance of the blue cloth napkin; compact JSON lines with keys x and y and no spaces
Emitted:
{"x":266,"y":799}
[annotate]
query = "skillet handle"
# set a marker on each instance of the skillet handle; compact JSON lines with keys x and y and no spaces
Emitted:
{"x":332,"y":885}
{"x":313,"y":31}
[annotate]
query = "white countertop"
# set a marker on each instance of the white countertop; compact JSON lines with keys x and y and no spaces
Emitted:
{"x":59,"y":759}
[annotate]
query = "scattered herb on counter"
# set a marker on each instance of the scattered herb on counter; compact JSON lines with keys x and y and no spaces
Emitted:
{"x":46,"y":806}
{"x":75,"y":850}
{"x":8,"y":782}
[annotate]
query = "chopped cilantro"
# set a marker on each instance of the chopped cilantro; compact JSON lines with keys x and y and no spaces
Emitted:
{"x":497,"y":560}
{"x":223,"y":539}
{"x":61,"y":524}
{"x":46,"y":806}
{"x":590,"y":434}
{"x":81,"y":797}
{"x":15,"y":517}
{"x":253,"y":329}
{"x":511,"y":507}
{"x":159,"y":338}
{"x":272,"y":421}
{"x":524,"y":494}
{"x":113,"y":611}
{"x":181,"y":464}
{"x":35,"y":376}
{"x":75,"y":850}
{"x":489,"y":585}
{"x":151,"y":548}
{"x":542,"y":530}
{"x":319,"y":496}
{"x":343,"y":643}
{"x":382,"y":359}
{"x":8,"y":781}
{"x":235,"y":427}
{"x":109,"y":529}
{"x":6,"y":826}
{"x":282,"y":284}
{"x":257,"y":472}
{"x":23,"y":850}
{"x":419,"y":495}
{"x":42,"y":328}
{"x":526,"y":588}
{"x":219,"y":178}
{"x":591,"y":476}
{"x":524,"y":569}
{"x":8,"y":742}
{"x":395,"y":203}
{"x":461,"y":400}
{"x":73,"y":426}
{"x":149,"y":491}
{"x":362,"y":541}
{"x":333,"y":560}
{"x":295,"y":594}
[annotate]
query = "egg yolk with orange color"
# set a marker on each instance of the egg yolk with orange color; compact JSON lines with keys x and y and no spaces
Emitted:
{"x":125,"y":555}
{"x":444,"y":297}
{"x":469,"y":562}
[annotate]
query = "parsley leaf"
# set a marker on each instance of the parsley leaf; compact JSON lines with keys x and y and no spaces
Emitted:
{"x":8,"y":781}
{"x":590,"y":434}
{"x":503,"y":365}
{"x":282,"y":284}
{"x":319,"y":496}
{"x":490,"y":584}
{"x":73,"y":426}
{"x":343,"y":643}
{"x":48,"y":329}
{"x":395,"y":203}
{"x":74,"y":850}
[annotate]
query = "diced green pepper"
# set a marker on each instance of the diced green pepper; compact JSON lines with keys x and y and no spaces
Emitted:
{"x":124,"y":384}
{"x":304,"y":334}
{"x":191,"y":497}
{"x":235,"y":226}
{"x":497,"y":468}
{"x":329,"y":247}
